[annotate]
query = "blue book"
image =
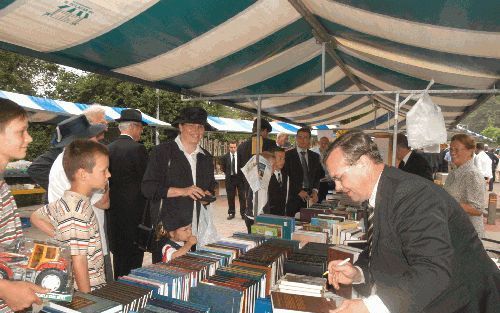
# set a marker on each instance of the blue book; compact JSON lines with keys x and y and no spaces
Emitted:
{"x":263,"y":305}
{"x":287,"y":223}
{"x":220,"y":299}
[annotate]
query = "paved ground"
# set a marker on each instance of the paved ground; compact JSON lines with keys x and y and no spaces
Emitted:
{"x":227,"y":227}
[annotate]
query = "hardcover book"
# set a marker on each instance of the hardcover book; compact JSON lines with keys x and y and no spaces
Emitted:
{"x":290,"y":303}
{"x":87,"y":303}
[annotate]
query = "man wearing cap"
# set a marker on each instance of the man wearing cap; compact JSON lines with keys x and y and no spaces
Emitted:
{"x":245,"y":152}
{"x":127,"y":164}
{"x":73,"y":128}
{"x":180,"y":172}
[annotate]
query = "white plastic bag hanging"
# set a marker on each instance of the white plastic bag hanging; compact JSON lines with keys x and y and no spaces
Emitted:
{"x":207,"y":233}
{"x":425,"y":124}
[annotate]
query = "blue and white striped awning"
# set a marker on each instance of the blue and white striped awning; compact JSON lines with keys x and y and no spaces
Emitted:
{"x":221,"y":47}
{"x":54,"y":111}
{"x":245,"y":126}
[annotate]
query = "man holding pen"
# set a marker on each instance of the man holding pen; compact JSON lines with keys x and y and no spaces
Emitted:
{"x":423,"y":254}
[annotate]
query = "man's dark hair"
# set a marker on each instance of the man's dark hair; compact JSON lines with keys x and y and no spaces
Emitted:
{"x":233,"y":142}
{"x":10,"y":111}
{"x":355,"y":144}
{"x":402,"y":141}
{"x":304,"y":130}
{"x":81,"y":154}
{"x":480,"y":146}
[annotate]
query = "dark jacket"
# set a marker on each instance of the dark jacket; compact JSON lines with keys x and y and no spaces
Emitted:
{"x":426,"y":255}
{"x":417,"y":164}
{"x":276,"y":198}
{"x":39,"y":170}
{"x":226,"y":167}
{"x":168,"y":167}
{"x":127,"y":163}
{"x":293,"y":167}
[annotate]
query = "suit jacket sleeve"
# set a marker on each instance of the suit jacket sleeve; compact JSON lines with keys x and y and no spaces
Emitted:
{"x":223,"y":162}
{"x":141,"y":160}
{"x":421,"y":224}
{"x":39,"y":170}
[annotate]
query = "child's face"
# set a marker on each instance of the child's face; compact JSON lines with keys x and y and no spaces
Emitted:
{"x":98,"y":179}
{"x":181,"y":234}
{"x":279,"y":157}
{"x":15,"y":140}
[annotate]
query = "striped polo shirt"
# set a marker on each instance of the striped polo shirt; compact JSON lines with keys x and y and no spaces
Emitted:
{"x":75,"y":224}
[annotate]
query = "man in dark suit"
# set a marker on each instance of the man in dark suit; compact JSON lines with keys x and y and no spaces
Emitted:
{"x":494,"y":164}
{"x":278,"y":186}
{"x":423,"y":254}
{"x":231,"y":166}
{"x":412,"y":161}
{"x":127,"y":164}
{"x":304,"y":172}
{"x":245,"y":152}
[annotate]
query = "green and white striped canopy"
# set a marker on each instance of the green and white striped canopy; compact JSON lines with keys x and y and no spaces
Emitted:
{"x":232,"y":47}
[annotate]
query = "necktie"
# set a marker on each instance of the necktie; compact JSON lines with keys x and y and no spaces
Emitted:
{"x":401,"y":164}
{"x":369,"y":231}
{"x":305,"y":170}
{"x":233,"y":166}
{"x":279,"y":179}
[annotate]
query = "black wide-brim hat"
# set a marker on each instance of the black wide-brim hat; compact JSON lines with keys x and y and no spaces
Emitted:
{"x":177,"y":218}
{"x":192,"y":115}
{"x":76,"y":127}
{"x":131,"y":115}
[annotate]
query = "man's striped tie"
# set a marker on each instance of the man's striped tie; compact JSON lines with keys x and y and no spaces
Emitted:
{"x":369,"y":231}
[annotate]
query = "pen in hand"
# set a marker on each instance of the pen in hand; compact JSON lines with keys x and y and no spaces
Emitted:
{"x":344,"y":262}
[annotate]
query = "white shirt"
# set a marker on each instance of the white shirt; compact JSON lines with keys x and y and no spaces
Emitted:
{"x":59,"y":183}
{"x":407,"y":156}
{"x":192,"y":159}
{"x":373,"y":303}
{"x":483,"y":162}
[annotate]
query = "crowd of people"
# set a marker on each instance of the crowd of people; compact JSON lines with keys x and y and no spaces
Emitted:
{"x":424,"y":254}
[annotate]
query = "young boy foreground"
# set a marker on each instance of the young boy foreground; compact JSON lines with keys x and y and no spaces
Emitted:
{"x":14,"y":141}
{"x":86,"y":164}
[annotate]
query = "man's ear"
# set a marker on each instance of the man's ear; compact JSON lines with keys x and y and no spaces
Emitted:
{"x":81,"y":174}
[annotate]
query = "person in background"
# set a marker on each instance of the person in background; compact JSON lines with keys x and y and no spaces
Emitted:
{"x":483,"y":162}
{"x":72,"y":217}
{"x":245,"y":152}
{"x":278,"y":185}
{"x":180,"y":172}
{"x":466,"y":183}
{"x":411,"y":161}
{"x":443,"y":162}
{"x":423,"y":255}
{"x":14,"y":136}
{"x":494,"y":164}
{"x":325,"y":183}
{"x":282,"y":141}
{"x":231,"y":166}
{"x":178,"y":240}
{"x":304,"y":172}
{"x":127,"y":163}
{"x":39,"y":169}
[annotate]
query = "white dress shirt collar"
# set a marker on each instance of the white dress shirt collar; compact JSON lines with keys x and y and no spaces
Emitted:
{"x":407,"y":156}
{"x":373,"y":197}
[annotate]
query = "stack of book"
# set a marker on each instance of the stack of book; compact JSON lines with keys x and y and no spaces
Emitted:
{"x":267,"y":255}
{"x":301,"y":285}
{"x":342,"y":252}
{"x":307,"y":213}
{"x":161,"y":304}
{"x":305,"y":236}
{"x":132,"y":298}
{"x":306,"y":264}
{"x":84,"y":303}
{"x":267,"y":230}
{"x":291,"y":303}
{"x":285,"y":223}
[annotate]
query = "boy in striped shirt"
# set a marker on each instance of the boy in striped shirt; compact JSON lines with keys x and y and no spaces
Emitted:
{"x":14,"y":140}
{"x":86,"y":164}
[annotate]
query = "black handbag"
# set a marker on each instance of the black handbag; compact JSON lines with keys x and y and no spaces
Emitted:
{"x":148,"y":234}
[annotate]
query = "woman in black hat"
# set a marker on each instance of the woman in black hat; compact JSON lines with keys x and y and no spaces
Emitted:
{"x":180,"y":172}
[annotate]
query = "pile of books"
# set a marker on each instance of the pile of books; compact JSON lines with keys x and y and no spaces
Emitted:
{"x":274,"y":225}
{"x":161,"y":304}
{"x":294,"y":303}
{"x":114,"y":297}
{"x":301,"y":285}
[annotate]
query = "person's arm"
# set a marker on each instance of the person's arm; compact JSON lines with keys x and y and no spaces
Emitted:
{"x":472,"y":198}
{"x":19,"y":295}
{"x":40,"y":168}
{"x":184,"y":249}
{"x":469,"y":209}
{"x":41,"y":222}
{"x":81,"y":272}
